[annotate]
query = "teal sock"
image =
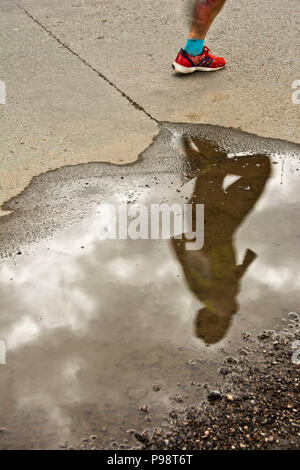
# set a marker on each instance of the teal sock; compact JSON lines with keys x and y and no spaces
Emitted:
{"x":194,"y":46}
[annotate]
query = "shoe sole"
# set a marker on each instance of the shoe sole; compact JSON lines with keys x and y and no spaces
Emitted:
{"x":185,"y":70}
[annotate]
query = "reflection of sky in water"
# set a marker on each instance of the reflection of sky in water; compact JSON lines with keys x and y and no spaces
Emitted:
{"x":86,"y":326}
{"x":273,"y":232}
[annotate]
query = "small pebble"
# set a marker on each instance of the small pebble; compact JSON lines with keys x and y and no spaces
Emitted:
{"x":223,"y":371}
{"x":214,"y":395}
{"x":192,"y":362}
{"x":178,"y":399}
{"x":293,"y":315}
{"x":130,"y":431}
{"x":144,"y":408}
{"x":231,"y":360}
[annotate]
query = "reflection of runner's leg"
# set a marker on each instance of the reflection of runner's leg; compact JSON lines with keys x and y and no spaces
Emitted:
{"x":212,"y":273}
{"x":195,"y":56}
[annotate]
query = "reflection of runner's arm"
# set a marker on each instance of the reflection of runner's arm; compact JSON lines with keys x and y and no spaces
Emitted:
{"x":248,"y":259}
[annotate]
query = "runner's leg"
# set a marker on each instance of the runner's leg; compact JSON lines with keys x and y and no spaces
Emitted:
{"x":205,"y":12}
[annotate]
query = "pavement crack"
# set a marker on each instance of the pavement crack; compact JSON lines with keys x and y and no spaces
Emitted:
{"x":100,"y":74}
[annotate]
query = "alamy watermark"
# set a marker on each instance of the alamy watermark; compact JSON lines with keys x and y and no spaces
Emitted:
{"x":2,"y":92}
{"x":2,"y":352}
{"x":157,"y":221}
{"x":296,"y":353}
{"x":296,"y":93}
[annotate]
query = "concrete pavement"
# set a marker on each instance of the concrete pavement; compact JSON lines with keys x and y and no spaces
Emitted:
{"x":134,"y":43}
{"x":59,"y":112}
{"x":77,"y":73}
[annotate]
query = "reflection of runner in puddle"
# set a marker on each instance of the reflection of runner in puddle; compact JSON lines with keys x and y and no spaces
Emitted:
{"x":212,"y":272}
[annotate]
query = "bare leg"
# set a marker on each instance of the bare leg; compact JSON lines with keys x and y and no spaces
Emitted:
{"x":195,"y":56}
{"x":205,"y":12}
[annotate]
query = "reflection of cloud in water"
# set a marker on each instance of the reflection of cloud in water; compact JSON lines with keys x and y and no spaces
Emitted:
{"x":282,"y":187}
{"x":45,"y":408}
{"x":85,"y":325}
{"x":24,"y":331}
{"x":123,"y":268}
{"x":47,"y":290}
{"x":273,"y":232}
{"x":53,"y":287}
{"x":131,"y":269}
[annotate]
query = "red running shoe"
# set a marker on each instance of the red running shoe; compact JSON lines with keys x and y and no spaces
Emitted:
{"x":205,"y":62}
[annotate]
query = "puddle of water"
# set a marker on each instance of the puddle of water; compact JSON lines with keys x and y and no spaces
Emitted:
{"x":90,"y":325}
